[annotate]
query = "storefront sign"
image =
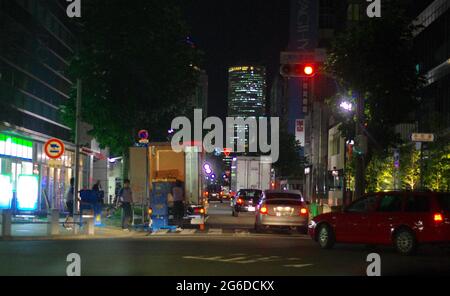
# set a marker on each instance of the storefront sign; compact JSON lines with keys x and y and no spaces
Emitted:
{"x":27,"y":192}
{"x":54,"y":148}
{"x":15,"y":147}
{"x":6,"y":192}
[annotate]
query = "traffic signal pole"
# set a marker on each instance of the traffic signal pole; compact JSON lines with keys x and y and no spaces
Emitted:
{"x":77,"y":152}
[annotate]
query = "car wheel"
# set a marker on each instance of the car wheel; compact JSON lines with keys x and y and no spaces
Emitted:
{"x":325,"y":237}
{"x":405,"y":242}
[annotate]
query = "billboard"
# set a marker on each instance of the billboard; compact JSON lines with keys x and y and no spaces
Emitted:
{"x":300,"y":131}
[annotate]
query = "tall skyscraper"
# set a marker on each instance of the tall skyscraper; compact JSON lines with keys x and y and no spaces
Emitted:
{"x":246,"y":95}
{"x":246,"y":91}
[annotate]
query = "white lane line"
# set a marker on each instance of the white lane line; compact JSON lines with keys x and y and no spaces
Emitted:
{"x":215,"y":231}
{"x":297,"y":265}
{"x":187,"y":231}
{"x":233,"y":259}
{"x":216,"y":258}
{"x":238,"y":232}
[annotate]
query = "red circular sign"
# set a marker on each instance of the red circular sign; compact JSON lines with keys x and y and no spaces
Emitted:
{"x":54,"y":148}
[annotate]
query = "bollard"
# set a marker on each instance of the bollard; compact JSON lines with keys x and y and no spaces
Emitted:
{"x":53,"y":226}
{"x":6,"y":223}
{"x":89,"y":222}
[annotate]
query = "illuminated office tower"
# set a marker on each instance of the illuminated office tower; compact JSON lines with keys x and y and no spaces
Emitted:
{"x":246,"y":94}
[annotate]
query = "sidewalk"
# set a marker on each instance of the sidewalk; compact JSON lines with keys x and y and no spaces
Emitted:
{"x":35,"y":231}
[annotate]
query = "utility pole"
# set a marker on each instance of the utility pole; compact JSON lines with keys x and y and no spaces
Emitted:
{"x":360,"y":143}
{"x":77,"y":150}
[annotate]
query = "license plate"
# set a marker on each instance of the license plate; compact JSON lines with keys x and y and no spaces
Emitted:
{"x":251,"y":209}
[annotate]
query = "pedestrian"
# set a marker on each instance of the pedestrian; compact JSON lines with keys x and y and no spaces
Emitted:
{"x":178,"y":201}
{"x":69,"y":203}
{"x":126,"y":199}
{"x":97,"y":186}
{"x":100,"y":193}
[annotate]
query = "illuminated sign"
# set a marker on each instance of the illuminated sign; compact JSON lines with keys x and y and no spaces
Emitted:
{"x":27,"y":192}
{"x":54,"y":148}
{"x":16,"y":147}
{"x":243,"y":68}
{"x":6,"y":192}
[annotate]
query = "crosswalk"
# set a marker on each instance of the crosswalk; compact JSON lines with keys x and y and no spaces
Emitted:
{"x":221,"y":232}
{"x":252,"y":259}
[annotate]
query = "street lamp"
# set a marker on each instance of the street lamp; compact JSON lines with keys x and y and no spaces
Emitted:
{"x":346,"y":106}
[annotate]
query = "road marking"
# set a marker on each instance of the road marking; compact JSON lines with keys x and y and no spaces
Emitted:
{"x":233,"y":259}
{"x":215,"y":231}
{"x":240,"y":232}
{"x":297,"y":265}
{"x":187,"y":231}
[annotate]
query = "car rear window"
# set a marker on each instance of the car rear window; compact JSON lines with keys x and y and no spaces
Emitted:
{"x":248,"y":194}
{"x":444,"y":201}
{"x":282,"y":195}
{"x":417,"y":203}
{"x":290,"y":202}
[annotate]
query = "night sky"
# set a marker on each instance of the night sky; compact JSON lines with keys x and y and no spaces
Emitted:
{"x":235,"y":32}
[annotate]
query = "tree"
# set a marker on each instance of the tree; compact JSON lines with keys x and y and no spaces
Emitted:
{"x":374,"y":60}
{"x":136,"y":68}
{"x":290,"y":163}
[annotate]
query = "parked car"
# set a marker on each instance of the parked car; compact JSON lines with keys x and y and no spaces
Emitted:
{"x":282,"y":209}
{"x":402,"y":219}
{"x":245,"y":200}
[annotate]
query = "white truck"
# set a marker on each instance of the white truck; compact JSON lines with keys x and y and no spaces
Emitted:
{"x":251,"y":172}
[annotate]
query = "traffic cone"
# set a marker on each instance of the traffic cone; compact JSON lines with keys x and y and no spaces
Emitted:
{"x":202,"y":225}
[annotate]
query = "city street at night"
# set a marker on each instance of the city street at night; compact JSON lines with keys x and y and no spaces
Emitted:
{"x":189,"y":139}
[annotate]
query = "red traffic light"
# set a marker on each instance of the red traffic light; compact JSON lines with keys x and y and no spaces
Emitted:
{"x":298,"y":70}
{"x":308,"y":70}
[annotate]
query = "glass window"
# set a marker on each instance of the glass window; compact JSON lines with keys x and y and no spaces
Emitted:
{"x":390,"y":203}
{"x":417,"y":203}
{"x":362,"y":205}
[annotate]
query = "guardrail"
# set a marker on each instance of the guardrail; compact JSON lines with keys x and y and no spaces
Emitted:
{"x":53,"y":223}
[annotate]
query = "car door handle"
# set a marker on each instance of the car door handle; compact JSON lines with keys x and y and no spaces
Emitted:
{"x":390,"y":218}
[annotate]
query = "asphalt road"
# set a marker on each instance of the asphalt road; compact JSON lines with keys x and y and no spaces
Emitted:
{"x":212,"y":255}
{"x":220,"y":217}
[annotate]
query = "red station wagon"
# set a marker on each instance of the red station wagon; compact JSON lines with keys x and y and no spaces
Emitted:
{"x":401,"y":219}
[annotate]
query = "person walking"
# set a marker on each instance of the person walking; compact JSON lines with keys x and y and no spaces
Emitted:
{"x":178,"y":201}
{"x":69,"y":204}
{"x":126,"y":199}
{"x":100,"y":193}
{"x":97,"y":186}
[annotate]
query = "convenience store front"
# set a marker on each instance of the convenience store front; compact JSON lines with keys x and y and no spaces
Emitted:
{"x":19,"y":185}
{"x":28,"y":182}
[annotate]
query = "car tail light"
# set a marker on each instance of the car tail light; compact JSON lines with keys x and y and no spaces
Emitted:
{"x":263,"y":210}
{"x":199,"y":210}
{"x":303,"y":211}
{"x":206,"y":193}
{"x":438,"y":217}
{"x":240,"y":201}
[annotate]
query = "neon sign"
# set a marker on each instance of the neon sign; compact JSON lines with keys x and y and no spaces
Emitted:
{"x":16,"y":147}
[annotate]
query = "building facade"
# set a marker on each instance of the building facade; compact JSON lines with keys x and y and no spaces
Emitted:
{"x":37,"y":43}
{"x":246,"y":96}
